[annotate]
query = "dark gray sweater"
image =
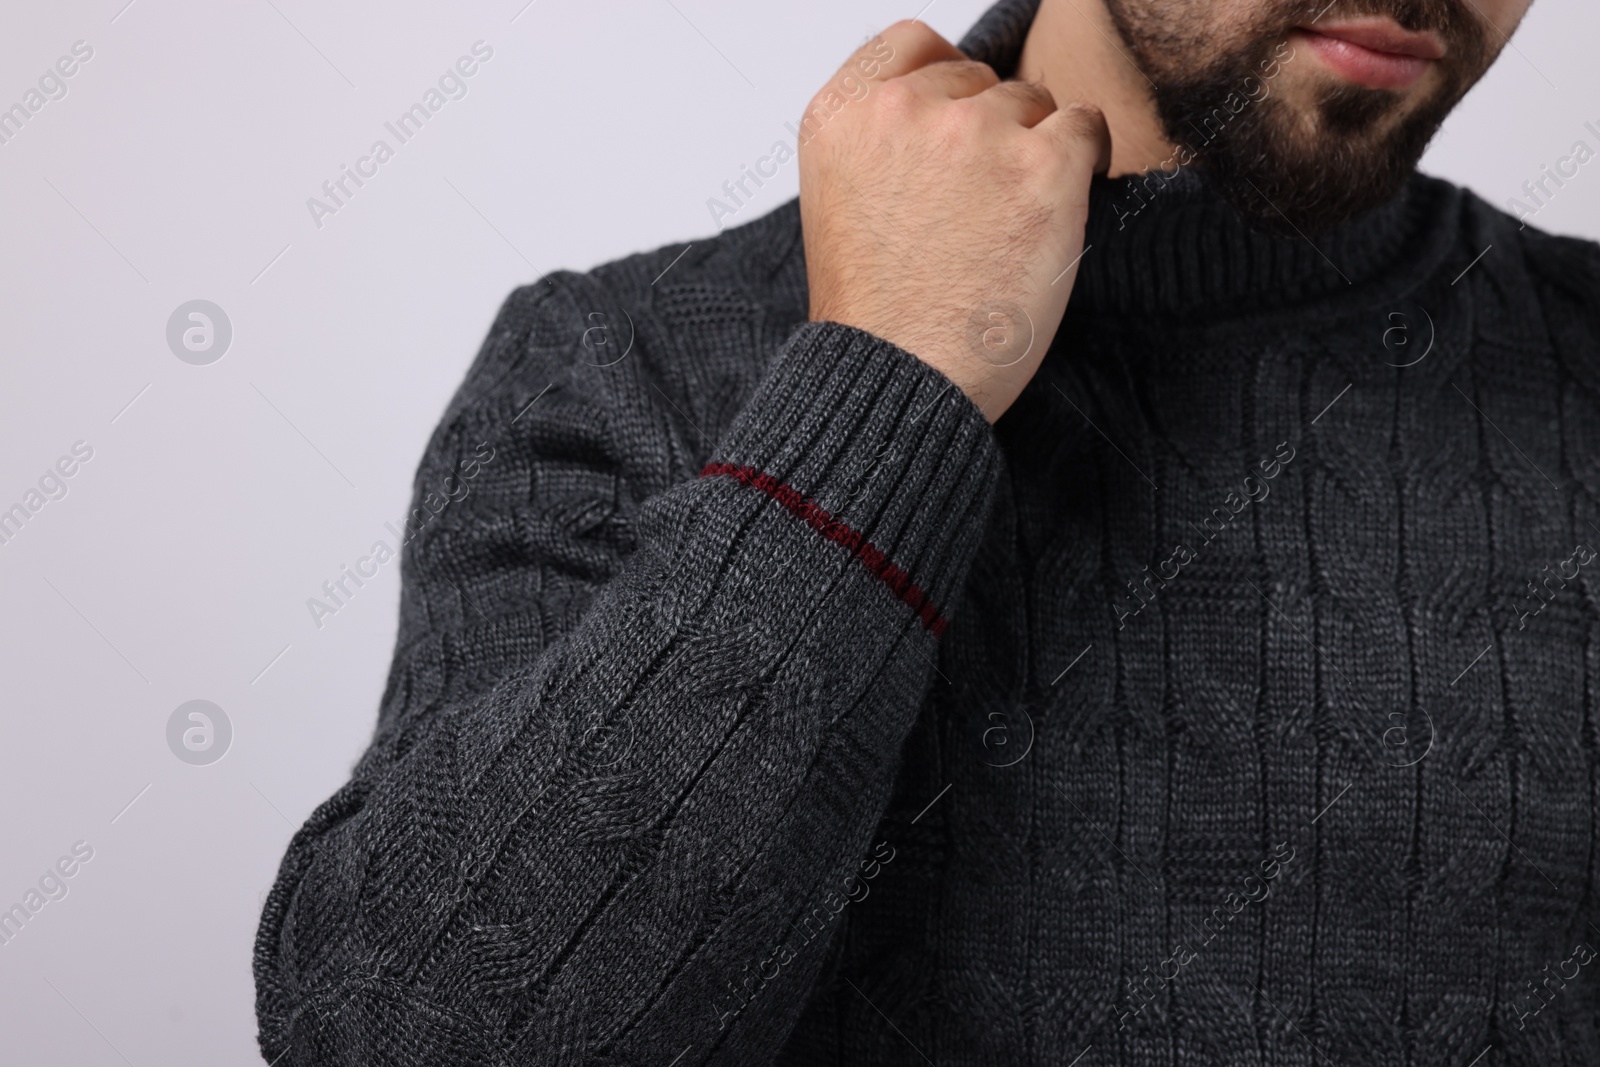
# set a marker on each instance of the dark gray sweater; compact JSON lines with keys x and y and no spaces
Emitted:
{"x":1232,"y":701}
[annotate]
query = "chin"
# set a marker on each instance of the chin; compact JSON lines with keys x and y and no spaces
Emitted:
{"x":1303,"y":170}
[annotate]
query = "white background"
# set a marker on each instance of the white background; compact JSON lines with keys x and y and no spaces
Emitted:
{"x":179,"y":564}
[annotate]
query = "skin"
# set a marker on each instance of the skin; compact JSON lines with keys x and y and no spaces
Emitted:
{"x":944,"y":210}
{"x":1073,"y":50}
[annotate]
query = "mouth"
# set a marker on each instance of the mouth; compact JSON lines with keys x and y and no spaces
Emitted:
{"x":1373,"y":52}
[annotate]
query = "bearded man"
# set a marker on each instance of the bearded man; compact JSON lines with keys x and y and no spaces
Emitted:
{"x":1097,"y":580}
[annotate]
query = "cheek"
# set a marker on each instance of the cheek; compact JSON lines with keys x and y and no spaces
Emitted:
{"x":1176,"y":39}
{"x":1504,"y":15}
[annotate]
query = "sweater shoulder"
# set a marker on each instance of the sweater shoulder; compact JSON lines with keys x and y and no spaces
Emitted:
{"x":1567,"y":267}
{"x":674,"y":298}
{"x":1570,"y":264}
{"x":659,"y":349}
{"x":761,"y":262}
{"x":1564,"y":273}
{"x":1539,"y":290}
{"x":701,"y":320}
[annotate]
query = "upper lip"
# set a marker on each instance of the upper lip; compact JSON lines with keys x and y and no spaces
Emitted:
{"x":1383,"y":35}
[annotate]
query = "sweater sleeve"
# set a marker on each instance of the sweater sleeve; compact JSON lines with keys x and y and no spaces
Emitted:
{"x":623,"y":760}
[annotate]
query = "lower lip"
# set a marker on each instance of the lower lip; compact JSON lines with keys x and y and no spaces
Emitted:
{"x":1366,"y":66}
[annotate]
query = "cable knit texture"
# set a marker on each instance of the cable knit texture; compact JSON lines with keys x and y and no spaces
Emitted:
{"x":1231,"y":701}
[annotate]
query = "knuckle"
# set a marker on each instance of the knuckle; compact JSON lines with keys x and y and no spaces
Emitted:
{"x":1083,"y":121}
{"x":1036,"y":155}
{"x":897,"y":96}
{"x":959,"y":122}
{"x":911,"y":34}
{"x":961,"y":114}
{"x":1035,"y":94}
{"x":913,"y":28}
{"x":974,"y":68}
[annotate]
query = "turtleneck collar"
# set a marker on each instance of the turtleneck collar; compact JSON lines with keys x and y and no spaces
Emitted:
{"x":1171,"y":247}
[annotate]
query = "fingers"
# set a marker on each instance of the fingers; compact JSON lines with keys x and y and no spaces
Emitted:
{"x":954,"y":79}
{"x":911,"y":51}
{"x":1080,"y":130}
{"x":906,"y":46}
{"x":1023,"y":102}
{"x":916,"y":45}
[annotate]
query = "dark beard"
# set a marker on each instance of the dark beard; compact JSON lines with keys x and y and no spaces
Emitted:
{"x":1290,"y":172}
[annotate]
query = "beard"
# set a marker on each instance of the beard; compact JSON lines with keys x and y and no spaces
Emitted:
{"x":1295,"y":168}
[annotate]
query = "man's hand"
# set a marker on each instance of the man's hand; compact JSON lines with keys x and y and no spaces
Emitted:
{"x":942,"y":207}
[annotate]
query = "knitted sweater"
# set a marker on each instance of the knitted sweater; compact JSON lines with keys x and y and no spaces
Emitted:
{"x":1233,"y":700}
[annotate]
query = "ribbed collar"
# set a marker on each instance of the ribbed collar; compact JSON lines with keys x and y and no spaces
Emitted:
{"x":1187,"y":253}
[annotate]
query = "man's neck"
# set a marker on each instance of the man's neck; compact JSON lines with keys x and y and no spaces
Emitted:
{"x":1074,"y":51}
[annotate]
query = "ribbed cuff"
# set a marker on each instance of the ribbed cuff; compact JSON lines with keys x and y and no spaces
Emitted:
{"x":878,"y":451}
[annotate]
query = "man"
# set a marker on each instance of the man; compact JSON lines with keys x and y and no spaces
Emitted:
{"x":856,"y":653}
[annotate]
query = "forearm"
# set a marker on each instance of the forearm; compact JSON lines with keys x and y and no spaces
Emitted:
{"x":597,"y":845}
